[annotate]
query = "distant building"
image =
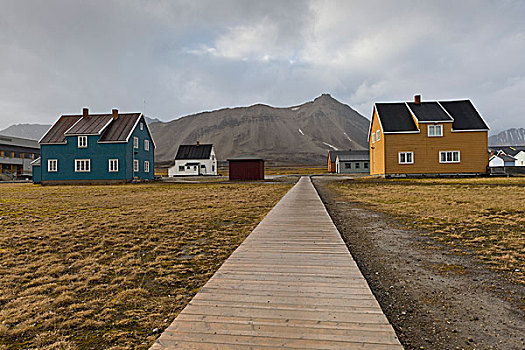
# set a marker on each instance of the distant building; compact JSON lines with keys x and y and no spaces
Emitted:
{"x":246,"y":168}
{"x":16,"y":155}
{"x":352,"y":162}
{"x":434,"y":137}
{"x":198,"y":159}
{"x":115,"y":147}
{"x":516,"y":152}
{"x":501,"y":160}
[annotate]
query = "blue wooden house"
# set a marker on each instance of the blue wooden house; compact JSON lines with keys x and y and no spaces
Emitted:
{"x":92,"y":148}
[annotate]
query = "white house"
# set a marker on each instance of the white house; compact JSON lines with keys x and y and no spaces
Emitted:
{"x":520,"y":158}
{"x":194,"y":160}
{"x":500,"y":160}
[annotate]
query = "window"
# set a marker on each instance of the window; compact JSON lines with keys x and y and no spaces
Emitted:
{"x":113,"y":165}
{"x":82,"y":165}
{"x":373,"y":137}
{"x":146,"y":166}
{"x":141,"y":126}
{"x":213,"y":166}
{"x":366,"y":166}
{"x":82,"y":141}
{"x":377,"y":136}
{"x":348,"y":165}
{"x":435,"y":130}
{"x":146,"y":145}
{"x":449,"y":157}
{"x":406,"y":157}
{"x":357,"y":165}
{"x":181,"y":167}
{"x":135,"y":165}
{"x":135,"y":142}
{"x":52,"y":165}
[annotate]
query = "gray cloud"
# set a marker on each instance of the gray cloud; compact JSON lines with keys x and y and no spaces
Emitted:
{"x":186,"y":56}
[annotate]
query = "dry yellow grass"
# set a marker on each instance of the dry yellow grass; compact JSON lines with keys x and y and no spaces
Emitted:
{"x":101,"y":267}
{"x":481,"y":216}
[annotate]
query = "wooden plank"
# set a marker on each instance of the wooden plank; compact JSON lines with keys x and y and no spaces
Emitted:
{"x":291,"y":284}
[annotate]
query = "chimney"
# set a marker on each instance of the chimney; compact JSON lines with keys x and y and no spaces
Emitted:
{"x":85,"y":112}
{"x":198,"y":143}
{"x":114,"y":113}
{"x":417,"y":99}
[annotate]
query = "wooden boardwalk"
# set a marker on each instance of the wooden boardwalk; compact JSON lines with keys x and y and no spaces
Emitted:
{"x":291,"y":284}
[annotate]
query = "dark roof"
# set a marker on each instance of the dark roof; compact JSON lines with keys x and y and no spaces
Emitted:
{"x":354,"y":155}
{"x":429,"y":112}
{"x":395,"y":117}
{"x":194,"y":151}
{"x":92,"y":124}
{"x":56,"y":133}
{"x":509,"y":150}
{"x":465,"y":115}
{"x":120,"y":129}
{"x":505,"y":157}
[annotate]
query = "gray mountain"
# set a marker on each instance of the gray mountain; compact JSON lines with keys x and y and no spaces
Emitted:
{"x":509,"y":137}
{"x":299,"y":134}
{"x":26,"y":131}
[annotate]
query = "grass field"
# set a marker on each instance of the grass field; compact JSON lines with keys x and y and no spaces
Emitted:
{"x":109,"y":267}
{"x":484,"y":217}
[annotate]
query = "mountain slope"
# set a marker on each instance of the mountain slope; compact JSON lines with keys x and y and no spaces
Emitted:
{"x":297,"y":135}
{"x":26,"y":131}
{"x":509,"y":137}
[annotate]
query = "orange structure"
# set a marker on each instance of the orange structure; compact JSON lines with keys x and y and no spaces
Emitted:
{"x":418,"y":138}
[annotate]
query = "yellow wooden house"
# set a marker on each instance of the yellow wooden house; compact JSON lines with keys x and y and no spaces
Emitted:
{"x":431,"y":137}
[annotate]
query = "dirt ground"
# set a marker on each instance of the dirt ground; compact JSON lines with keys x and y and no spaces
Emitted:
{"x":429,"y":305}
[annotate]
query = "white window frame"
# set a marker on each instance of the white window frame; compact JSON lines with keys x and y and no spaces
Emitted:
{"x":141,"y":126}
{"x":135,"y":165}
{"x":378,"y":137}
{"x":451,"y":153}
{"x":82,"y":141}
{"x":146,"y":166}
{"x":146,"y":145}
{"x":400,"y":154}
{"x":135,"y":142}
{"x":52,"y":165}
{"x":373,"y":137}
{"x":113,"y":165}
{"x":82,"y":165}
{"x":434,"y":128}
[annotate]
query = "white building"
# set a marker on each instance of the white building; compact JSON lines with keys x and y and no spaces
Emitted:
{"x":194,"y":160}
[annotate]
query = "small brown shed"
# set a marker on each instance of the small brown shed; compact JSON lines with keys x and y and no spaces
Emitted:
{"x":246,"y":168}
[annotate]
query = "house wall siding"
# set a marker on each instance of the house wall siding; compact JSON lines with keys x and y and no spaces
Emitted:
{"x":99,"y":155}
{"x":377,"y":153}
{"x":473,"y":147}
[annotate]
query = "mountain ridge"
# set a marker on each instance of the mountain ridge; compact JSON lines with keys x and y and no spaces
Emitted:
{"x":512,"y":137}
{"x":299,"y":134}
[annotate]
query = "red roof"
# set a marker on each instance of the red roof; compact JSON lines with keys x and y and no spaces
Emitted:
{"x":93,"y":124}
{"x":56,"y":133}
{"x":112,"y":130}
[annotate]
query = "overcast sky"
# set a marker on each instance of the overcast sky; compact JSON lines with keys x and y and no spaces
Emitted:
{"x":183,"y":57}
